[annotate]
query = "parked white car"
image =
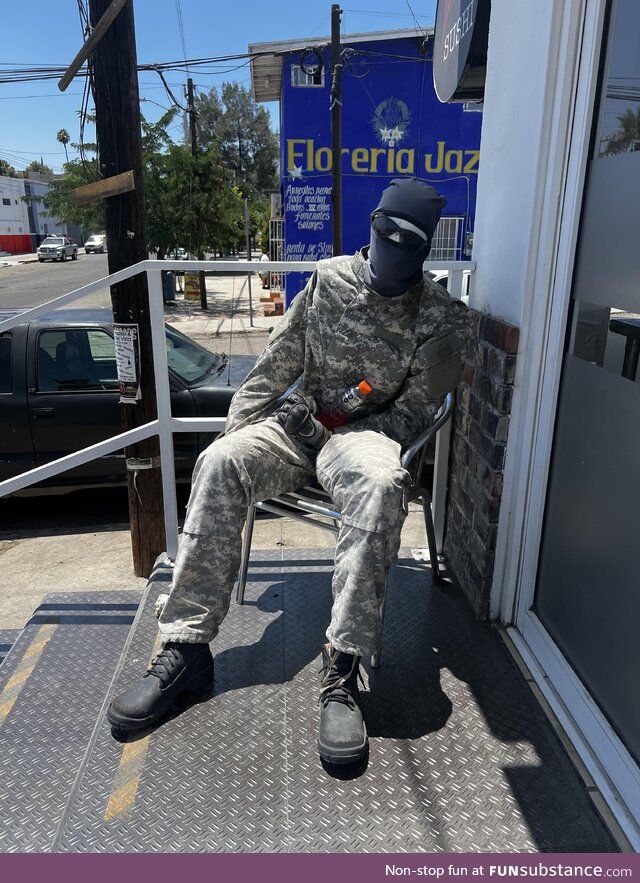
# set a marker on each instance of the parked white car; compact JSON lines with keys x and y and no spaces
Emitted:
{"x":96,"y":244}
{"x":57,"y":248}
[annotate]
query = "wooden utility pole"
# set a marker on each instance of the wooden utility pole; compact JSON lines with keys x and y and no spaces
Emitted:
{"x":336,"y":129}
{"x":191,"y":110}
{"x":120,"y":150}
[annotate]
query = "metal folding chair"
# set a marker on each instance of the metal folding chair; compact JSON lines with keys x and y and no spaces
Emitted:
{"x":310,"y":504}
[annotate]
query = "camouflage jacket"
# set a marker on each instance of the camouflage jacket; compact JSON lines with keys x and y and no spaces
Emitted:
{"x":338,"y":332}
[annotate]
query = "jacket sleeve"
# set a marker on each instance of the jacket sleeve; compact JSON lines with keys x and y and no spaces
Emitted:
{"x":434,"y":371}
{"x":279,"y":366}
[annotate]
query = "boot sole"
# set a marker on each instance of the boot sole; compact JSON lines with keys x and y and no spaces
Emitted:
{"x":344,"y":755}
{"x":186,"y":697}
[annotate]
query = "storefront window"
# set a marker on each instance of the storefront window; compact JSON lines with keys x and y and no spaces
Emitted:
{"x":619,"y":126}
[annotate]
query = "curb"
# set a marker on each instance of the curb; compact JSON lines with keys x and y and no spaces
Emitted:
{"x":12,"y":261}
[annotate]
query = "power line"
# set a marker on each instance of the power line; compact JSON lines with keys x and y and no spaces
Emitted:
{"x":415,"y":19}
{"x":44,"y":95}
{"x":25,"y":75}
{"x":172,"y":97}
{"x":181,"y":29}
{"x":17,"y":152}
{"x":53,"y":72}
{"x":402,"y":15}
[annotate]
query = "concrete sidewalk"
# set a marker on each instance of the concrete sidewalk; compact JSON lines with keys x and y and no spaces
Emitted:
{"x":10,"y":260}
{"x":234,"y":320}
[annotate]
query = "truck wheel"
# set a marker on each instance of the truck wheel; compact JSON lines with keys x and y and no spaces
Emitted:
{"x":74,"y":256}
{"x":41,"y":260}
{"x":63,"y":256}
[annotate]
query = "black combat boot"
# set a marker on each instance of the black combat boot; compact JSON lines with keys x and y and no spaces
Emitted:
{"x":178,"y":673}
{"x":342,"y":737}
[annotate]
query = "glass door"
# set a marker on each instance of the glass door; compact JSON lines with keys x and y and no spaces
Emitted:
{"x":588,"y":583}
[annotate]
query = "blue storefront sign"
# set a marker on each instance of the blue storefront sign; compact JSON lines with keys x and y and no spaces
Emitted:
{"x":393,"y":125}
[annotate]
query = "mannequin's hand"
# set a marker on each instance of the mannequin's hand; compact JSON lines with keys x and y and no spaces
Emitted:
{"x":295,"y":415}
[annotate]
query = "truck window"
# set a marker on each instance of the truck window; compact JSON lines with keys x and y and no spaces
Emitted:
{"x":102,"y":349}
{"x":66,"y":363}
{"x":5,"y":362}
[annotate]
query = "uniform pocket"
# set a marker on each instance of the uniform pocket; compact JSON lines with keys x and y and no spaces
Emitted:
{"x":443,"y":359}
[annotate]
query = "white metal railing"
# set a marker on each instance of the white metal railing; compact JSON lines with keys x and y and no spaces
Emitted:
{"x":166,"y":424}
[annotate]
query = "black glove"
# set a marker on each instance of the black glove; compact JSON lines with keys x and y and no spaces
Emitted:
{"x":295,"y":415}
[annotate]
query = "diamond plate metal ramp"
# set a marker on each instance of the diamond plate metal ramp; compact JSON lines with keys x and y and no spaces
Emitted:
{"x":8,"y":638}
{"x":52,"y":684}
{"x":462,"y":758}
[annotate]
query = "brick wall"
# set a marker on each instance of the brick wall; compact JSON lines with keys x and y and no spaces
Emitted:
{"x":478,"y":442}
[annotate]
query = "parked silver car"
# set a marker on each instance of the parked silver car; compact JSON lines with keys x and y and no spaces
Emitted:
{"x":95,"y":244}
{"x":57,"y":248}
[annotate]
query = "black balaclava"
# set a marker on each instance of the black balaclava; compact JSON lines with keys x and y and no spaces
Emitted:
{"x":391,"y":269}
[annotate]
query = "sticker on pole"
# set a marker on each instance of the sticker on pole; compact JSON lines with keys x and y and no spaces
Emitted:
{"x":127,"y":340}
{"x":191,"y":286}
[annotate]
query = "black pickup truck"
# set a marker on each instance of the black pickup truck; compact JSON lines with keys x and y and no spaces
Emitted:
{"x":59,"y":393}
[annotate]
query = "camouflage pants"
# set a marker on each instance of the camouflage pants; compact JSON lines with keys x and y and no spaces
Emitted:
{"x":362,"y":473}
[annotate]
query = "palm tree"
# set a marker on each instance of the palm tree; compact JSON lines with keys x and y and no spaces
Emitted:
{"x":64,"y":138}
{"x":627,"y":137}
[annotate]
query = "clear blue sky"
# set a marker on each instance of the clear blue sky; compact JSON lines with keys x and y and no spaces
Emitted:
{"x":48,"y":32}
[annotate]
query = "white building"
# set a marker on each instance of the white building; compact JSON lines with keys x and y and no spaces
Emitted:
{"x":24,"y":223}
{"x":14,"y":218}
{"x":41,"y":224}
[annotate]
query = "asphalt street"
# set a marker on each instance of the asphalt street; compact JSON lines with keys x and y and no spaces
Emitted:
{"x":31,"y":284}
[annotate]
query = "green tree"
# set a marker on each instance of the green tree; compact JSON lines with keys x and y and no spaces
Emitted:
{"x":209,"y":112}
{"x":59,"y":202}
{"x":204,"y":211}
{"x":162,"y":234}
{"x":190,"y":201}
{"x":627,"y":138}
{"x":7,"y":169}
{"x":234,"y":122}
{"x":40,"y":167}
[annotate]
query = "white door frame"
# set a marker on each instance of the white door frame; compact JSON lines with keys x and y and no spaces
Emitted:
{"x":571,"y":92}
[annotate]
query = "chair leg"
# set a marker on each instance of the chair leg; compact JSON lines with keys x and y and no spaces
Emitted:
{"x":431,"y":535}
{"x":246,"y":550}
{"x":375,"y":657}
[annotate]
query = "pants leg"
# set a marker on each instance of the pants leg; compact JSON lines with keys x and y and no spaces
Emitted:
{"x":363,"y":474}
{"x":249,"y":465}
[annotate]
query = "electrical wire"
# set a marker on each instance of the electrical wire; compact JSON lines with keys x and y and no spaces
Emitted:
{"x":46,"y":95}
{"x":23,"y":153}
{"x":87,"y":91}
{"x":415,"y":19}
{"x":53,"y":72}
{"x":181,"y":29}
{"x":157,"y":104}
{"x":172,"y":97}
{"x":403,"y":15}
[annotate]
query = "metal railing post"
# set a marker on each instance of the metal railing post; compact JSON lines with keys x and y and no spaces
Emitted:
{"x":456,"y":280}
{"x":163,"y":400}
